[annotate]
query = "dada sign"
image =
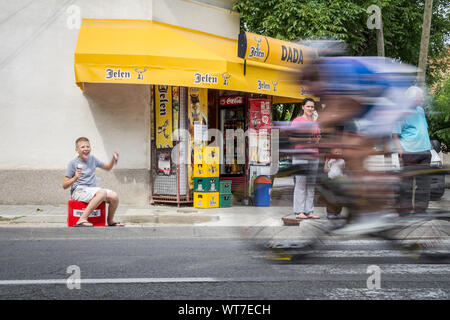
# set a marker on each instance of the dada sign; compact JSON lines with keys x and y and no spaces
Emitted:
{"x":291,"y":54}
{"x":269,"y":50}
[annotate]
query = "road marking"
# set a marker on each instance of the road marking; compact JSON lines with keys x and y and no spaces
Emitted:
{"x":110,"y":281}
{"x":317,"y":272}
{"x":386,"y":293}
{"x":339,"y":254}
{"x":397,"y":269}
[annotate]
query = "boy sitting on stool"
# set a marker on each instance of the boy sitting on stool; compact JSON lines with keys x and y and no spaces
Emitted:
{"x":80,"y":176}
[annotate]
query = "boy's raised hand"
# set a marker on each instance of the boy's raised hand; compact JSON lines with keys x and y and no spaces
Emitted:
{"x":78,"y":172}
{"x":115,"y":157}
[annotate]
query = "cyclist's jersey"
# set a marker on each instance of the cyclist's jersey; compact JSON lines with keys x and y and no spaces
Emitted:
{"x":378,"y":84}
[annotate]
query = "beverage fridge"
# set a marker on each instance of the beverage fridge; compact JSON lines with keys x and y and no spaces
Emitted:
{"x":232,"y":126}
{"x":259,"y":148}
{"x":259,"y":131}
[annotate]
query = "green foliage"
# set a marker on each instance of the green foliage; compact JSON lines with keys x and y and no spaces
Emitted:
{"x":293,"y":19}
{"x":439,"y":117}
{"x":347,"y":20}
{"x":438,"y":112}
{"x":283,"y":111}
{"x":438,"y":70}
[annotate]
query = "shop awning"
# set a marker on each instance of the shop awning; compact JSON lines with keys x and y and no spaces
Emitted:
{"x":149,"y":52}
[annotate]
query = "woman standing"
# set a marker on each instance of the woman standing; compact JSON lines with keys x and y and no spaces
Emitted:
{"x":306,"y":160}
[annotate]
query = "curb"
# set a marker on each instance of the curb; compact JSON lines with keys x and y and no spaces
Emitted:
{"x":139,"y":232}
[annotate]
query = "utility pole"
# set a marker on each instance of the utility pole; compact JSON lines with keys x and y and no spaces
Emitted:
{"x":428,"y":11}
{"x":380,"y":39}
{"x":375,"y":21}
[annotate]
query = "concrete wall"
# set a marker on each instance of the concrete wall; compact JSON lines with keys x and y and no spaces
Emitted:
{"x":208,"y":16}
{"x":42,"y":111}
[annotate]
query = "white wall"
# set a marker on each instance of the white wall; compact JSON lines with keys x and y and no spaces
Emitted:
{"x":42,"y":111}
{"x":208,"y":16}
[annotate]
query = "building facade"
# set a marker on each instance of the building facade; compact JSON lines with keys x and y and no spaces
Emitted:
{"x":43,"y":111}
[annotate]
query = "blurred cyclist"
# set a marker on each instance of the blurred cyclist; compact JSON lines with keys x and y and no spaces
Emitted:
{"x":364,"y":98}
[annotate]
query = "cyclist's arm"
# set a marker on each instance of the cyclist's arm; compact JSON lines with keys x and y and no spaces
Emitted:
{"x":397,"y":144}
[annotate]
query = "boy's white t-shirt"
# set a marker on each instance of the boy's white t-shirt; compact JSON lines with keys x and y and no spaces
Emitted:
{"x":87,"y":177}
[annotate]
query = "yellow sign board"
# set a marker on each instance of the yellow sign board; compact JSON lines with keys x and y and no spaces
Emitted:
{"x":198,"y":114}
{"x":163,"y":116}
{"x":252,"y":46}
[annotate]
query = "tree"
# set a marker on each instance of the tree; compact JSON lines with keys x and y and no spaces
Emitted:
{"x":425,"y":40}
{"x":438,"y":110}
{"x":347,"y":20}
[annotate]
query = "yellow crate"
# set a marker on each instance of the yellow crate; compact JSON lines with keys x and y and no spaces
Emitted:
{"x":211,"y":155}
{"x":212,"y":170}
{"x":206,"y":170}
{"x":198,"y":154}
{"x":206,"y":200}
{"x":200,"y":170}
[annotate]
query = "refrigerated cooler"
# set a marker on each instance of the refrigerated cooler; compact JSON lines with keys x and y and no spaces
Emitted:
{"x":259,"y":155}
{"x":259,"y":131}
{"x":232,"y":125}
{"x":240,"y":154}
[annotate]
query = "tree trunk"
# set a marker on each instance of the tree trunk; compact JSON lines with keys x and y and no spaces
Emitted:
{"x":296,"y":111}
{"x":380,"y":40}
{"x":425,"y":41}
{"x":286,"y":107}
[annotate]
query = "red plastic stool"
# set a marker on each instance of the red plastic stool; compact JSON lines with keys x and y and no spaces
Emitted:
{"x":76,"y":209}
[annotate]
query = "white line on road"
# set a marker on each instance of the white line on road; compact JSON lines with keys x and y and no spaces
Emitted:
{"x":276,"y":278}
{"x":386,"y":293}
{"x":347,"y":254}
{"x":109,"y":281}
{"x":343,"y":269}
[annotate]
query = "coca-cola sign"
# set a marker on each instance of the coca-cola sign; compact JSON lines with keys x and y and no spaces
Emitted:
{"x":231,"y":101}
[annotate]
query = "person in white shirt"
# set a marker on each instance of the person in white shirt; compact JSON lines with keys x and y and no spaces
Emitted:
{"x":334,"y":167}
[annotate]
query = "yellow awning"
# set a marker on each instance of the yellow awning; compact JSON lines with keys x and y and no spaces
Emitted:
{"x":149,"y":52}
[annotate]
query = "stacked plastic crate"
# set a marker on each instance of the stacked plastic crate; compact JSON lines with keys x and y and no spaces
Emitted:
{"x":225,"y":193}
{"x":206,"y":177}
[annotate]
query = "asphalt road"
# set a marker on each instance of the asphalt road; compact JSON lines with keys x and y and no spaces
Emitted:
{"x":132,"y":264}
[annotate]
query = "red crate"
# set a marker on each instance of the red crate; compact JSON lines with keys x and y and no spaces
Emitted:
{"x":76,"y":209}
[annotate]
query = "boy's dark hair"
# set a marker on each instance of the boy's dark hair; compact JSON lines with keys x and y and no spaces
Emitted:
{"x":81,"y":139}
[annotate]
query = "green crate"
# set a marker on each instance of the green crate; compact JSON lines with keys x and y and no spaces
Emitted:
{"x":225,"y":200}
{"x":206,"y":184}
{"x":225,"y":186}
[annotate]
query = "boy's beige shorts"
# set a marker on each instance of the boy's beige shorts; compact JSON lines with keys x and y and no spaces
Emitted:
{"x":85,"y":194}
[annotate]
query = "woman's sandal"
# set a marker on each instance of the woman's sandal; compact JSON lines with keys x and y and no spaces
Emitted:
{"x":84,"y":224}
{"x":301,"y":216}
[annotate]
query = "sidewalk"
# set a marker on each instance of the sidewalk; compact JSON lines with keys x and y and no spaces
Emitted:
{"x":150,"y":216}
{"x":165,"y":215}
{"x":159,"y":215}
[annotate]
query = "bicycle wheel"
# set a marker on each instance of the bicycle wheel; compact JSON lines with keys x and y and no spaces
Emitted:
{"x":423,"y":237}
